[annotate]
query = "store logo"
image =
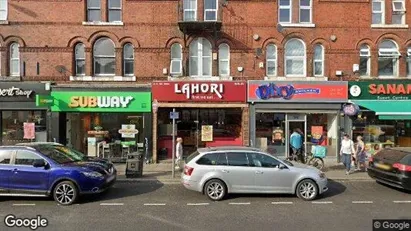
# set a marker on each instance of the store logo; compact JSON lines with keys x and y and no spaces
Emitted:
{"x":190,"y":89}
{"x":15,"y":91}
{"x":284,"y":92}
{"x":351,"y":109}
{"x":355,"y":90}
{"x":100,"y":101}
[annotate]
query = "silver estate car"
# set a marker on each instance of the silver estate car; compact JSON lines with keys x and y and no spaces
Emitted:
{"x":219,"y":171}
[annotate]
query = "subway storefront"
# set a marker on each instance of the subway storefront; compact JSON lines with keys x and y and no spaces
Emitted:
{"x":383,"y":116}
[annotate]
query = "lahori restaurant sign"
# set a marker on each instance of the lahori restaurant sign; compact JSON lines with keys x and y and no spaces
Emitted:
{"x":380,"y":90}
{"x":218,"y":91}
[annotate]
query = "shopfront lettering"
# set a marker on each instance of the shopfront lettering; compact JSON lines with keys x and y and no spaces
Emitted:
{"x":286,"y":92}
{"x":190,"y":89}
{"x":15,"y":91}
{"x":389,"y":89}
{"x":100,"y":101}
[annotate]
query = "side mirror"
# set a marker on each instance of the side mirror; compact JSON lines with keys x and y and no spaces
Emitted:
{"x":39,"y":163}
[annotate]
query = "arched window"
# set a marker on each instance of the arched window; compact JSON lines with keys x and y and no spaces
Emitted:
{"x":318,"y":60}
{"x":176,"y":63}
{"x":295,"y":58}
{"x":80,"y":59}
{"x":200,"y":58}
{"x":14,"y":63}
{"x":271,"y":60}
{"x":409,"y":61}
{"x":104,"y":57}
{"x":224,"y":59}
{"x":128,"y":59}
{"x":388,"y":56}
{"x":365,"y":60}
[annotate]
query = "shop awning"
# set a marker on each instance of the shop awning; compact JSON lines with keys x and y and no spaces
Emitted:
{"x":387,"y":110}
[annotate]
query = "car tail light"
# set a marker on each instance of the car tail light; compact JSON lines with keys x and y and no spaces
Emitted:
{"x":188,"y":170}
{"x":402,"y":167}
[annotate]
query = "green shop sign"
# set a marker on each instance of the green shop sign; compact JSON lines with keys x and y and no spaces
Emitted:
{"x":380,"y":90}
{"x":80,"y":101}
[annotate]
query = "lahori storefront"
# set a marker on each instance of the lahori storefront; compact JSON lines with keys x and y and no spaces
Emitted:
{"x":108,"y":122}
{"x":384,"y":116}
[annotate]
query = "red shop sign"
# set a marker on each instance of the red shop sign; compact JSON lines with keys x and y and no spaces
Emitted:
{"x":198,"y":91}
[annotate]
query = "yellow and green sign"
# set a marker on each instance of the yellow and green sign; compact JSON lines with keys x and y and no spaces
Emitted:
{"x":84,"y":101}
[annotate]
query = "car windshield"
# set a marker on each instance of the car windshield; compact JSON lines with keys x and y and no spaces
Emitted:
{"x":61,"y":154}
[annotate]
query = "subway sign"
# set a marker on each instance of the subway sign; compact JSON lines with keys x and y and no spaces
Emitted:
{"x":100,"y":101}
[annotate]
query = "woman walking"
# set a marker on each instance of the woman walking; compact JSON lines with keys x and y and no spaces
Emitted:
{"x":179,"y":151}
{"x":361,"y":154}
{"x":347,"y":151}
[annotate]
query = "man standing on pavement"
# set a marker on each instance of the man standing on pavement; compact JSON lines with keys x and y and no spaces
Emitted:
{"x":179,"y":151}
{"x":296,"y":143}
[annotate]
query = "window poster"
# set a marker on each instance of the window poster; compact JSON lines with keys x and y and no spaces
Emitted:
{"x":206,"y":133}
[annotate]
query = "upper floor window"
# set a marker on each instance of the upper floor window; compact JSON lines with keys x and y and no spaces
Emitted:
{"x":286,"y":9}
{"x":128,"y":59}
{"x":200,"y":58}
{"x":284,"y":12}
{"x":3,"y":10}
{"x":104,"y":57}
{"x":305,"y":11}
{"x":295,"y":58}
{"x":409,"y":61}
{"x":388,"y":56}
{"x":378,"y":12}
{"x":114,"y":10}
{"x":385,"y":13}
{"x":318,"y":60}
{"x":224,"y":59}
{"x":14,"y":59}
{"x":210,"y":10}
{"x":271,"y":60}
{"x":190,"y":10}
{"x":93,"y":10}
{"x":398,"y":12}
{"x":176,"y":63}
{"x":365,"y":61}
{"x":80,"y":59}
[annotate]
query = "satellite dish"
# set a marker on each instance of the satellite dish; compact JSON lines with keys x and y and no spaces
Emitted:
{"x":280,"y":28}
{"x":61,"y":69}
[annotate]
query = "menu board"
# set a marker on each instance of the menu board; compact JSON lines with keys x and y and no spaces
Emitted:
{"x":207,"y":133}
{"x":29,"y":131}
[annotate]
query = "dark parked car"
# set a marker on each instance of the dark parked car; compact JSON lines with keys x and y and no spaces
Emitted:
{"x":392,"y":166}
{"x":51,"y":169}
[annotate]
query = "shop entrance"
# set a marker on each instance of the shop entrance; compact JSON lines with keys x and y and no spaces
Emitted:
{"x":293,"y":122}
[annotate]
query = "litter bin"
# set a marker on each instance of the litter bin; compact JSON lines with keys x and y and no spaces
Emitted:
{"x":134,"y":165}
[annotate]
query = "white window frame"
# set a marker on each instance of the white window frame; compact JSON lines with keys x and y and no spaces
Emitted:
{"x":14,"y":59}
{"x":267,"y":60}
{"x":76,"y":59}
{"x":125,"y":59}
{"x":4,"y":11}
{"x":200,"y":56}
{"x":310,"y":7}
{"x":190,"y":10}
{"x":408,"y":60}
{"x":393,"y":53}
{"x":176,"y":60}
{"x":365,"y":52}
{"x":319,"y":61}
{"x":94,"y":58}
{"x":285,"y":7}
{"x":221,"y":60}
{"x":399,"y":11}
{"x":304,"y":59}
{"x":93,"y":8}
{"x":110,"y":8}
{"x":211,"y":10}
{"x":382,"y":11}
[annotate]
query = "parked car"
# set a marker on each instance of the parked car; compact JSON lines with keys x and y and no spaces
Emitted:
{"x":51,"y":169}
{"x":219,"y":171}
{"x":392,"y":166}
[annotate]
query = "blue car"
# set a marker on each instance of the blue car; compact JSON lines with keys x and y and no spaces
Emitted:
{"x":51,"y":169}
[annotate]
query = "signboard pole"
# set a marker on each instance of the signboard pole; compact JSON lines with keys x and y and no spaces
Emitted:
{"x":174,"y":143}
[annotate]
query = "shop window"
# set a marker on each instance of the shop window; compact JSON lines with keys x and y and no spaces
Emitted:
{"x":190,"y":10}
{"x":408,"y":59}
{"x":104,"y":57}
{"x":271,"y":60}
{"x":318,"y":60}
{"x":80,"y":59}
{"x":365,"y":61}
{"x":295,"y":58}
{"x":93,"y":10}
{"x":114,"y":10}
{"x":176,"y":63}
{"x":128,"y":59}
{"x":224,"y":59}
{"x":210,"y":10}
{"x":388,"y":56}
{"x":14,"y":60}
{"x":200,"y":58}
{"x":3,"y":10}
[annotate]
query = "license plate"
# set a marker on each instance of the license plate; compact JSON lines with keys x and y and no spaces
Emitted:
{"x":382,"y":166}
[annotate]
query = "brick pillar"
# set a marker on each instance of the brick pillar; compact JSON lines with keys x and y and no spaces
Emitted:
{"x":374,"y":63}
{"x":402,"y":65}
{"x":154,"y":156}
{"x":245,"y":126}
{"x":310,"y":66}
{"x":104,"y":11}
{"x":280,"y":62}
{"x":89,"y":62}
{"x":119,"y":62}
{"x":3,"y":61}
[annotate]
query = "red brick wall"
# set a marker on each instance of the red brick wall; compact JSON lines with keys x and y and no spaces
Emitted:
{"x":48,"y":30}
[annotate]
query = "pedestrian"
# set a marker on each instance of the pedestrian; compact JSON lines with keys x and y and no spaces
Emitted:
{"x":179,"y":151}
{"x":347,"y":152}
{"x":296,"y":143}
{"x":360,"y":154}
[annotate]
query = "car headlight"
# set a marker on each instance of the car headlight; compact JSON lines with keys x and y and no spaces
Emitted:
{"x":93,"y":174}
{"x":322,"y":175}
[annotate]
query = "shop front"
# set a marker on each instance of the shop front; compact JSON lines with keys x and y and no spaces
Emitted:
{"x":383,"y":115}
{"x":280,"y":107}
{"x":108,"y":122}
{"x":20,"y":119}
{"x":206,"y":114}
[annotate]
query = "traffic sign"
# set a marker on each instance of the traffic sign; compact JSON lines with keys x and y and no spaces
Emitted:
{"x":174,"y":115}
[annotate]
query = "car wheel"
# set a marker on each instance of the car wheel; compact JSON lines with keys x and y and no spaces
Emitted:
{"x":307,"y":190}
{"x":215,"y":190}
{"x":65,"y":193}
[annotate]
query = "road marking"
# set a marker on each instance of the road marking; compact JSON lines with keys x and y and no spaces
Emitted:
{"x":198,"y":203}
{"x":239,"y":203}
{"x":282,"y":203}
{"x":114,"y":204}
{"x":402,"y":202}
{"x":322,"y":202}
{"x":154,"y":204}
{"x":362,"y":202}
{"x":24,"y":204}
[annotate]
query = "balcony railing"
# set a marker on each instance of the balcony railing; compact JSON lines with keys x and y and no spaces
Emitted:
{"x":200,"y":15}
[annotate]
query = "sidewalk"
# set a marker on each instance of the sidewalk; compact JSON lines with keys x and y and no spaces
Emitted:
{"x":162,"y":172}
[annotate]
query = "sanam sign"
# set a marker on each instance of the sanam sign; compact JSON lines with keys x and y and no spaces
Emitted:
{"x":381,"y":90}
{"x":100,"y":101}
{"x":198,"y":91}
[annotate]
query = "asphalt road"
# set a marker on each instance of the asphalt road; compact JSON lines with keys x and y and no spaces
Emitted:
{"x":154,"y":206}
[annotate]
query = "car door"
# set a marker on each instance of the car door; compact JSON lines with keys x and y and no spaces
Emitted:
{"x":5,"y":170}
{"x":269,"y":177}
{"x":25,"y":176}
{"x":238,"y":173}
